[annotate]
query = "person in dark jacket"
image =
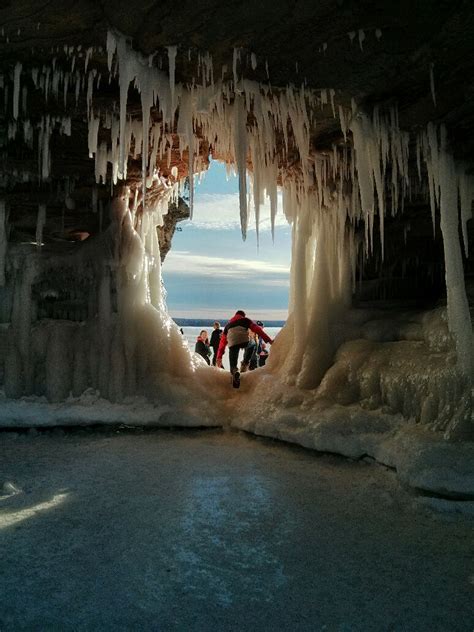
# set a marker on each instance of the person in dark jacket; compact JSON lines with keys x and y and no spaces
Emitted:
{"x":262,"y":355}
{"x":215,"y":340}
{"x":202,"y":346}
{"x":236,"y":336}
{"x":262,"y":351}
{"x":250,"y":361}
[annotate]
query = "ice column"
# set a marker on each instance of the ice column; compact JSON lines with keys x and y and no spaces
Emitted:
{"x":40,"y":222}
{"x":458,"y":308}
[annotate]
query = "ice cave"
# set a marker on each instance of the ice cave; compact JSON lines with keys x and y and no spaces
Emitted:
{"x":353,"y":119}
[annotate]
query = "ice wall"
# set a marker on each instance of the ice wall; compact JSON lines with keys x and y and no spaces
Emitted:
{"x":127,"y":342}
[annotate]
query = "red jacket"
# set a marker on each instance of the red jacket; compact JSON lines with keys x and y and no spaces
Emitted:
{"x":236,"y":332}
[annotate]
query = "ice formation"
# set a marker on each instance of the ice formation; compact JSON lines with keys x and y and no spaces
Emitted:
{"x":432,"y":84}
{"x":326,"y":196}
{"x":40,"y":222}
{"x":110,"y":351}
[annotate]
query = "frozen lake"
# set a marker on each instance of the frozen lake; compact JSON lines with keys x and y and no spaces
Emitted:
{"x":208,"y":530}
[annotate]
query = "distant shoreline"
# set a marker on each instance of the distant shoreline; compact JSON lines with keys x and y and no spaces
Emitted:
{"x":207,"y":322}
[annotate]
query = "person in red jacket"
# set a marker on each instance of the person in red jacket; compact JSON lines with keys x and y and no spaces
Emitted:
{"x":236,"y":336}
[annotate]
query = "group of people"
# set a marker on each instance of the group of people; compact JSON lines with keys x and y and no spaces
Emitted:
{"x":240,"y":333}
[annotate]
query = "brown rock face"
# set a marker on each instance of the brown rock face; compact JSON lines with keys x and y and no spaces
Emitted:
{"x":176,"y":213}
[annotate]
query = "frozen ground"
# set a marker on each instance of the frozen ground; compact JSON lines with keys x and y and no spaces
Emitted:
{"x":218,"y":531}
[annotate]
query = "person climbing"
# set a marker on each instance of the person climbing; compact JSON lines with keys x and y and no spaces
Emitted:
{"x":202,"y":346}
{"x":215,"y":340}
{"x":236,"y":336}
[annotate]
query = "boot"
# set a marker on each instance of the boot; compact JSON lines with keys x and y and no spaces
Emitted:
{"x":235,"y":378}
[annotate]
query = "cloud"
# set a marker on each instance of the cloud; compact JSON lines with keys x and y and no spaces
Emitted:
{"x":224,"y":313}
{"x":220,"y":211}
{"x":182,"y":262}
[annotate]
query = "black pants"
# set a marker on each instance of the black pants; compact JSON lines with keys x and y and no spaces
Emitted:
{"x":234,"y":355}
{"x":250,"y":356}
{"x":214,"y":356}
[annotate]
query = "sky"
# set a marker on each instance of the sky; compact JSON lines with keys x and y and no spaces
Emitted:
{"x":210,"y":272}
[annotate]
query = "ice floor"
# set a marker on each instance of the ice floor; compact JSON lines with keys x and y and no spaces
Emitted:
{"x":208,"y":530}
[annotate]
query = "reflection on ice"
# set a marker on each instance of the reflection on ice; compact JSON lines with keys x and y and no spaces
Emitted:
{"x":14,"y":517}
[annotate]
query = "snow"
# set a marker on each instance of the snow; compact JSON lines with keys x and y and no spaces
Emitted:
{"x":89,"y":409}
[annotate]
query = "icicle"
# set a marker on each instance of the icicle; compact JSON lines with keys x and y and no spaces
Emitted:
{"x":331,"y":96}
{"x":16,"y":88}
{"x":90,"y":88}
{"x":273,"y":195}
{"x":235,"y":59}
{"x":93,"y":134}
{"x":87,"y":58}
{"x":147,"y":98}
{"x":342,"y":119}
{"x":378,"y":33}
{"x":432,"y":83}
{"x":44,"y":158}
{"x":34,"y":76}
{"x":253,"y":61}
{"x":351,"y":35}
{"x":65,"y":89}
{"x":111,"y":48}
{"x":353,"y":106}
{"x":240,"y":153}
{"x":361,"y":38}
{"x":40,"y":222}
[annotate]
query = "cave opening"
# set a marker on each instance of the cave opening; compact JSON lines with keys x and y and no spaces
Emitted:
{"x":211,"y":271}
